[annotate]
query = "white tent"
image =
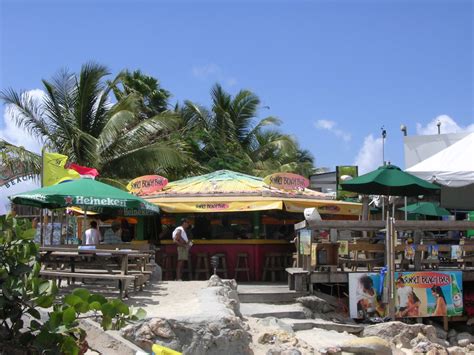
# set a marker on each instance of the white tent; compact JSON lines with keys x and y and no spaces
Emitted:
{"x":453,"y":166}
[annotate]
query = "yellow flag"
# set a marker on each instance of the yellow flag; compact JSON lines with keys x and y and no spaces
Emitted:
{"x":54,"y":171}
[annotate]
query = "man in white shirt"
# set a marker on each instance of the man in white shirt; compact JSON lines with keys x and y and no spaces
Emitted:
{"x":183,"y":244}
{"x":92,"y":235}
{"x":403,"y":291}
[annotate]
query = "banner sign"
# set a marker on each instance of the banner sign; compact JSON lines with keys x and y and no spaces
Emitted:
{"x":147,"y":185}
{"x":417,"y":294}
{"x":428,"y":294}
{"x":286,"y":181}
{"x":345,"y":173}
{"x":12,"y":175}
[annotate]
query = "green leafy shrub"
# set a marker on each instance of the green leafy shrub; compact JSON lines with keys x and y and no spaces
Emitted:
{"x":23,"y":328}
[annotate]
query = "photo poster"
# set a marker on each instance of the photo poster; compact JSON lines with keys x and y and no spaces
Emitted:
{"x":410,"y":251}
{"x":433,"y":252}
{"x":365,"y":295}
{"x":344,"y":173}
{"x":428,"y":294}
{"x":456,"y":252}
{"x":314,"y":256}
{"x":343,"y":248}
{"x":305,"y":242}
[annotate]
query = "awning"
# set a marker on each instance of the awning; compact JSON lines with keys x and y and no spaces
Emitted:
{"x":252,"y":203}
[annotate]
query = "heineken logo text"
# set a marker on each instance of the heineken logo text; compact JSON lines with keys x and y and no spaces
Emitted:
{"x":94,"y":201}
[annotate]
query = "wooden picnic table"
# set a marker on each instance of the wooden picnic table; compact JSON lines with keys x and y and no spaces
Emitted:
{"x":74,"y":257}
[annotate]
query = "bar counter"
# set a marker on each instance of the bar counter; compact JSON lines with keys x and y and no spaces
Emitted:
{"x":256,"y":249}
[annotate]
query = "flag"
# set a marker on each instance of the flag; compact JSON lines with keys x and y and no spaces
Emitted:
{"x":54,"y":170}
{"x":84,"y":171}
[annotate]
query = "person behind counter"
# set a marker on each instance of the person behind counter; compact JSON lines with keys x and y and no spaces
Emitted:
{"x":92,"y":235}
{"x":113,"y":235}
{"x":183,"y":245}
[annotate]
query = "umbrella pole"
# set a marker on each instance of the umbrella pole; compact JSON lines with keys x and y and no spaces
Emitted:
{"x":406,"y":212}
{"x":84,"y":226}
{"x":41,"y":228}
{"x":383,"y":208}
{"x":391,"y":229}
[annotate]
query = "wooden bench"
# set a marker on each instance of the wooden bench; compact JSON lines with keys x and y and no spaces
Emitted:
{"x":124,"y":280}
{"x":297,"y":278}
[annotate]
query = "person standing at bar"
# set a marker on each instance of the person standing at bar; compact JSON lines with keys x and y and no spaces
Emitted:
{"x":92,"y":235}
{"x":183,"y":244}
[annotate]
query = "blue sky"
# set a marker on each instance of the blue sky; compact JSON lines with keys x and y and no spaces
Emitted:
{"x":334,"y":71}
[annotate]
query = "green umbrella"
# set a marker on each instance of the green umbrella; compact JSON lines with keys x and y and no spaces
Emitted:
{"x":389,"y":180}
{"x":88,"y":194}
{"x":427,"y":209}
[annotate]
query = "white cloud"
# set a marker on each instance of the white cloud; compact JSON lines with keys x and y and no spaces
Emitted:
{"x":331,"y":127}
{"x":369,"y":156}
{"x":448,"y":125}
{"x":213,"y":71}
{"x":17,"y":135}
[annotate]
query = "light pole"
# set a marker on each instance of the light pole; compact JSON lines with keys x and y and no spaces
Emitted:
{"x":439,"y":127}
{"x":403,"y":128}
{"x":384,"y":135}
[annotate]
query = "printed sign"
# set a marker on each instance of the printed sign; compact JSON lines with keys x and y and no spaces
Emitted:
{"x":16,"y":174}
{"x":147,"y":185}
{"x":286,"y":181}
{"x":365,"y":296}
{"x":343,"y":248}
{"x":305,"y":242}
{"x":428,"y":294}
{"x":345,"y":173}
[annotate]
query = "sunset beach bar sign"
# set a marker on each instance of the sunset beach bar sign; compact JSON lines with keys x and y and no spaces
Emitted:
{"x":147,"y":185}
{"x":286,"y":181}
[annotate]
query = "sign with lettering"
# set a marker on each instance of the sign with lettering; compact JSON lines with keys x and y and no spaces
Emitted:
{"x":147,"y":185}
{"x":286,"y":181}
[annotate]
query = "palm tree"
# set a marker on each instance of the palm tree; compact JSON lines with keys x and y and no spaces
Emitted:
{"x":77,"y":118}
{"x":153,"y":99}
{"x":229,"y":135}
{"x":17,"y":160}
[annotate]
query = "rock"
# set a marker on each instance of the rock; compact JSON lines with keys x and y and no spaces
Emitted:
{"x":429,"y":348}
{"x":368,"y":345}
{"x":214,"y":281}
{"x":464,"y":342}
{"x":437,"y":352}
{"x":291,"y":352}
{"x":400,"y":334}
{"x":267,"y":338}
{"x":470,"y":321}
{"x":273,"y":352}
{"x":452,"y":333}
{"x":420,"y":338}
{"x":272,"y":322}
{"x":315,"y":304}
{"x":455,"y":350}
{"x":224,"y":336}
{"x":464,"y":335}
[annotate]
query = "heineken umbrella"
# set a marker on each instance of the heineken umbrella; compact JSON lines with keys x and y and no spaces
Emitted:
{"x":427,"y":209}
{"x":389,"y":180}
{"x":90,"y":195}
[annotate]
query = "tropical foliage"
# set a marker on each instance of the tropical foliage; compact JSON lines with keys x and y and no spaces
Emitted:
{"x":137,"y":133}
{"x":29,"y":325}
{"x":229,"y":136}
{"x":78,"y":119}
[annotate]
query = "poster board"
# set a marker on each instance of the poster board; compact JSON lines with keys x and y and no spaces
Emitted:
{"x":428,"y":294}
{"x":365,"y":295}
{"x":421,"y":294}
{"x":305,"y":242}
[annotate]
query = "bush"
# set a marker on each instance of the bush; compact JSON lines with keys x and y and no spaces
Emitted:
{"x":23,"y":329}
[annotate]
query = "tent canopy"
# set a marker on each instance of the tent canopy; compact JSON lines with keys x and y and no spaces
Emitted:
{"x":453,"y":166}
{"x":228,"y":191}
{"x":426,"y":209}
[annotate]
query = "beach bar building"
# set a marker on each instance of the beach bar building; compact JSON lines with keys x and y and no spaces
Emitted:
{"x":246,"y":223}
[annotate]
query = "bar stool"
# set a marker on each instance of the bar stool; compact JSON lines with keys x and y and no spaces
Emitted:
{"x":273,"y":265}
{"x":188,"y":268}
{"x":221,"y":264}
{"x":242,"y":265}
{"x":202,"y":266}
{"x":169,"y":266}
